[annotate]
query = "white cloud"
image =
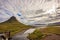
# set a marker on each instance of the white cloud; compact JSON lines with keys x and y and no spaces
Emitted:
{"x":28,"y":8}
{"x":4,"y":15}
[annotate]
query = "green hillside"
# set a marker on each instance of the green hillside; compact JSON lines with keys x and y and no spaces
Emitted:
{"x":13,"y":26}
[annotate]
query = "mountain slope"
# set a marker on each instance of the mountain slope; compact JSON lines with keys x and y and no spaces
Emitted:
{"x":13,"y":25}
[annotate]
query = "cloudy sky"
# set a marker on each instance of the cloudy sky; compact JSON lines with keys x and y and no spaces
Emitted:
{"x":29,"y":11}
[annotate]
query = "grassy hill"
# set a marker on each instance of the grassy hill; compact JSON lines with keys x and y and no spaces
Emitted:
{"x":13,"y":25}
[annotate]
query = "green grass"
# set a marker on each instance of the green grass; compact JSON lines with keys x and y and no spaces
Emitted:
{"x":13,"y":26}
{"x":49,"y":30}
{"x":36,"y":35}
{"x":43,"y":32}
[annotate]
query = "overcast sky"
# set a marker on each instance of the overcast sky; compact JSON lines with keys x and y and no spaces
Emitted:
{"x":28,"y":11}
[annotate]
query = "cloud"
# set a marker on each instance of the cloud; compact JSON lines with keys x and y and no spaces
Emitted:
{"x":5,"y":15}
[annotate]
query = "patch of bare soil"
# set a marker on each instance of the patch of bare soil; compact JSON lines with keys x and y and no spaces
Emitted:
{"x":51,"y":37}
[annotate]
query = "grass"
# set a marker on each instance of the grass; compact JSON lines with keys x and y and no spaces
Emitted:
{"x":51,"y":29}
{"x":13,"y":26}
{"x":41,"y":33}
{"x":36,"y":35}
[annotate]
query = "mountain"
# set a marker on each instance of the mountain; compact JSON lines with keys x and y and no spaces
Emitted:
{"x":54,"y":24}
{"x":13,"y":26}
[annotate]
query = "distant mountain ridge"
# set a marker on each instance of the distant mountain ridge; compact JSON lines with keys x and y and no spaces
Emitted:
{"x":55,"y":24}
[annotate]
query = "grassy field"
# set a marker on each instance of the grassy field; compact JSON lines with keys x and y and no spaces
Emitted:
{"x":13,"y":26}
{"x":52,"y":29}
{"x":42,"y":33}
